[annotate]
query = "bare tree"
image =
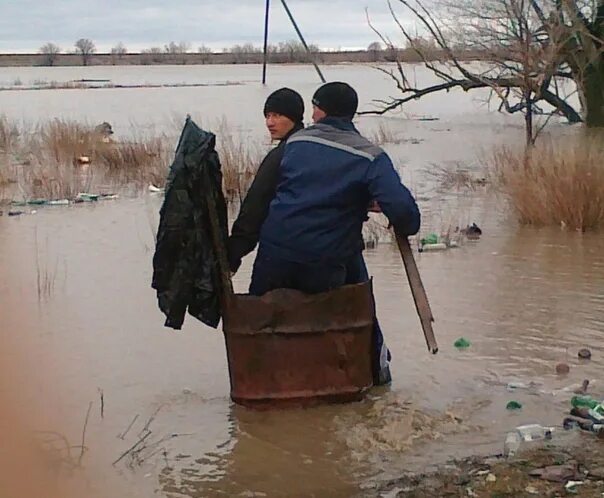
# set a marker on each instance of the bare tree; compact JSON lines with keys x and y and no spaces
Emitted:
{"x":295,"y":52}
{"x":118,"y":52}
{"x":178,"y":50}
{"x":524,"y":48}
{"x":519,"y":67}
{"x":579,"y":24}
{"x":153,"y":55}
{"x":85,"y":47}
{"x":51,"y":52}
{"x":241,"y":53}
{"x":375,"y":49}
{"x":204,"y":54}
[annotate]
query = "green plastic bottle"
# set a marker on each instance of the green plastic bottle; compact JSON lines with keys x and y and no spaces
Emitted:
{"x":588,"y":401}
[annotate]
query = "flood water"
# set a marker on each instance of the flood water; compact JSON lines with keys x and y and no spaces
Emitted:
{"x":81,"y":318}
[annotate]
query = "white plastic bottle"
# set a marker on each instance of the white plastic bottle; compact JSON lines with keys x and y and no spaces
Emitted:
{"x":512,"y":444}
{"x":534,"y":432}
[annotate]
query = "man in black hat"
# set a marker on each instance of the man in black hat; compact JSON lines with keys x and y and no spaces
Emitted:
{"x":328,"y":177}
{"x":283,"y":112}
{"x":311,"y":239}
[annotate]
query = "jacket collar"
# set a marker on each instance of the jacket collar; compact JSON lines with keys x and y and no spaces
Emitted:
{"x":339,"y":123}
{"x":297,"y":127}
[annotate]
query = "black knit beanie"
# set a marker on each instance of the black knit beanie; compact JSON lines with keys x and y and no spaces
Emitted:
{"x":337,"y":99}
{"x":287,"y":102}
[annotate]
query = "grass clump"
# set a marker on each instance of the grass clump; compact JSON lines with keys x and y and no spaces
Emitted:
{"x":555,"y":183}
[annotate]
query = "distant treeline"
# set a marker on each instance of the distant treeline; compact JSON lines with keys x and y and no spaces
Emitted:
{"x":283,"y":53}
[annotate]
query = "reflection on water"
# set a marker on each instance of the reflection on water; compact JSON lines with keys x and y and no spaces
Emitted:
{"x":526,"y":299}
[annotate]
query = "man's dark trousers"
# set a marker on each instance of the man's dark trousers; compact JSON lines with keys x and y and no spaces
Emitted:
{"x":271,"y":273}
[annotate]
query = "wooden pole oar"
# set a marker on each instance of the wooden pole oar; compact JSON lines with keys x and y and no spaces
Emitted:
{"x":310,"y":54}
{"x":419,"y":293}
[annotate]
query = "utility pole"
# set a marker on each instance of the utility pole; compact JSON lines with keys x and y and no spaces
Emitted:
{"x":266,"y":13}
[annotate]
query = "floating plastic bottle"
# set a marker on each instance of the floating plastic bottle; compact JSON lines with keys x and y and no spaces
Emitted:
{"x":434,"y":247}
{"x":587,"y":401}
{"x":596,"y":414}
{"x":431,"y":238}
{"x":511,"y":444}
{"x":513,"y":385}
{"x":534,"y":432}
{"x":86,"y":197}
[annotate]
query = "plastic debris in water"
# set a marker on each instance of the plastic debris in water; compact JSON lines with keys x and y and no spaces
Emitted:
{"x":584,"y":354}
{"x":587,"y":402}
{"x":472,"y":232}
{"x":431,"y":238}
{"x":86,"y":197}
{"x":462,"y":343}
{"x":562,"y":369}
{"x":572,"y":485}
{"x":534,"y":432}
{"x":433,"y":247}
{"x":511,"y":444}
{"x":59,"y":202}
{"x":513,"y":405}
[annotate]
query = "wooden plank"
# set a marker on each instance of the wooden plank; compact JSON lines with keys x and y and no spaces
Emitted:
{"x":419,"y":293}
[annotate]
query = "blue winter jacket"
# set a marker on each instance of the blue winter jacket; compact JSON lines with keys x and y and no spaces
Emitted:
{"x":329,"y":174}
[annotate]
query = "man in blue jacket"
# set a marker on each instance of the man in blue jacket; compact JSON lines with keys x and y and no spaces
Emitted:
{"x":311,"y":239}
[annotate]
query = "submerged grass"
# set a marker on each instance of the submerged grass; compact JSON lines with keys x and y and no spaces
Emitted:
{"x":59,"y":158}
{"x":454,"y":177}
{"x":383,"y":134}
{"x":556,"y":183}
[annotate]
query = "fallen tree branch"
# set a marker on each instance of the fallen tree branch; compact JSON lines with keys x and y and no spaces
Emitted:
{"x":557,"y":102}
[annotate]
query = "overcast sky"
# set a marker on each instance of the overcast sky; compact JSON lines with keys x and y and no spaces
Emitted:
{"x":25,"y":25}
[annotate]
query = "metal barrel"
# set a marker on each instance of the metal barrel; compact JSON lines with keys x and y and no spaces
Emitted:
{"x":287,"y":348}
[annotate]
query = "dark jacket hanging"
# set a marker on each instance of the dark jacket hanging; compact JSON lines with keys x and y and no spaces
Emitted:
{"x":186,"y":275}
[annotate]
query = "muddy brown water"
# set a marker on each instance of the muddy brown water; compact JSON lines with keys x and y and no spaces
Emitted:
{"x":525,"y":299}
{"x":78,"y":309}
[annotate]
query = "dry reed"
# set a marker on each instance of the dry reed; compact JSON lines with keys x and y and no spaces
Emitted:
{"x":239,"y":159}
{"x":9,"y":135}
{"x":383,"y":134}
{"x":454,"y":177}
{"x":58,"y":159}
{"x":555,"y":183}
{"x":45,"y":275}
